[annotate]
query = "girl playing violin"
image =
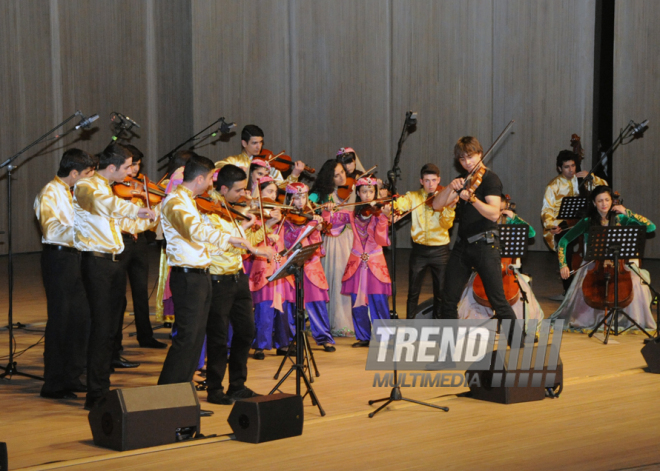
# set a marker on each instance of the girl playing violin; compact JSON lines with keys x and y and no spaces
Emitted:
{"x":574,"y":308}
{"x":315,"y":283}
{"x":366,"y":278}
{"x":337,"y":244}
{"x":469,"y":308}
{"x":258,"y":170}
{"x":270,"y":298}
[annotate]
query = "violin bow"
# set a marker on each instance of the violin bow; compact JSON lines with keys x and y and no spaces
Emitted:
{"x":146,"y":193}
{"x":433,"y":195}
{"x":231,"y":216}
{"x":485,"y":156}
{"x":261,"y":211}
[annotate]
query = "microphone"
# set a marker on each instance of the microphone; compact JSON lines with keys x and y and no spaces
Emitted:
{"x":126,"y":118}
{"x":226,"y":128}
{"x":86,"y":122}
{"x":639,"y":130}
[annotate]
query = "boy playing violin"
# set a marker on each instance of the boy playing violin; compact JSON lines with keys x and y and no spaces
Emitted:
{"x":478,"y":244}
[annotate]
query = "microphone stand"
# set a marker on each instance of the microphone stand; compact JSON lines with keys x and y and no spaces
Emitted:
{"x":393,"y":175}
{"x":628,"y":132}
{"x":11,"y":368}
{"x":170,"y":153}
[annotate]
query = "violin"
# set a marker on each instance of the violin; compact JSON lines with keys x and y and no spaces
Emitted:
{"x":281,"y":161}
{"x":511,"y":288}
{"x":598,"y":284}
{"x":344,"y":191}
{"x":132,"y":188}
{"x":207,"y":205}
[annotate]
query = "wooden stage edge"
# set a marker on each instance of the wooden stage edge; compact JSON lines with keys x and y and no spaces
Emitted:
{"x":607,"y":416}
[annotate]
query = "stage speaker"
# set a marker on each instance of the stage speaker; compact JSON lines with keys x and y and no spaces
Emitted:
{"x":4,"y":459}
{"x":651,"y":353}
{"x":265,"y":418}
{"x":509,"y":386}
{"x":132,"y":418}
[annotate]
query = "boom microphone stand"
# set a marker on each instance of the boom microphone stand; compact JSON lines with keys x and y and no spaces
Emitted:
{"x":11,"y":368}
{"x":393,"y":175}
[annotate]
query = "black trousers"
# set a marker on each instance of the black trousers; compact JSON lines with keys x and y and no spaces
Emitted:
{"x":485,"y":258}
{"x":135,"y":261}
{"x":191,"y":295}
{"x":67,"y":329}
{"x":232,"y":302}
{"x":105,"y":283}
{"x":421,"y":258}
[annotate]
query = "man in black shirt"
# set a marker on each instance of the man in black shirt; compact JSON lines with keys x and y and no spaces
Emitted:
{"x":478,"y":243}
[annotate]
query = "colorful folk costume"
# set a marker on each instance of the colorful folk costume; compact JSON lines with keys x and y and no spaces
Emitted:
{"x":314,"y":281}
{"x":574,"y":309}
{"x":366,"y":278}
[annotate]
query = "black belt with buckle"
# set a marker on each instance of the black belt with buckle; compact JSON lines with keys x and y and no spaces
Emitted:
{"x":115,"y":257}
{"x":201,"y":271}
{"x":60,"y":248}
{"x":233,"y":277}
{"x":488,"y":237}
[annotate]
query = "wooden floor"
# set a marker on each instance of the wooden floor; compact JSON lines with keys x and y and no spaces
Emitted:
{"x":608,"y":416}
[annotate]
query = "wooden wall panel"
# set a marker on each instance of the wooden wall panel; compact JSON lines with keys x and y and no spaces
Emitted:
{"x":543,"y":78}
{"x":441,"y":68}
{"x":241,"y":70}
{"x":636,"y":88}
{"x":26,"y":111}
{"x":340,"y":80}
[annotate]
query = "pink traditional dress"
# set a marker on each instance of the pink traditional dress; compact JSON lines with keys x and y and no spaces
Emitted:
{"x":366,"y":278}
{"x":270,"y":300}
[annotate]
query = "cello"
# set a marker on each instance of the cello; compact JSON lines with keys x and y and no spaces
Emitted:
{"x":598,"y":284}
{"x":511,"y":288}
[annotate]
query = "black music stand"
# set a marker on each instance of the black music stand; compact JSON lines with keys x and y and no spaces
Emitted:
{"x":615,"y":243}
{"x":514,"y":239}
{"x":295,"y":265}
{"x":572,"y":207}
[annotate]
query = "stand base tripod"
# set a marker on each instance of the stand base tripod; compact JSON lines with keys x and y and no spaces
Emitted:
{"x":612,"y":327}
{"x":10,"y":370}
{"x":309,"y":355}
{"x":395,"y":395}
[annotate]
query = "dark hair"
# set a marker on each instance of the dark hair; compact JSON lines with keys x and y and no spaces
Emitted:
{"x":566,"y":156}
{"x":429,"y":169}
{"x":251,"y":130}
{"x":325,"y":180}
{"x":196,"y":166}
{"x":467,"y":145}
{"x":346,"y":157}
{"x":135,"y":152}
{"x":178,"y":160}
{"x":264,"y":185}
{"x":75,"y":159}
{"x":115,"y":154}
{"x":592,"y":212}
{"x":253,"y":167}
{"x":228,"y":175}
{"x":358,"y":208}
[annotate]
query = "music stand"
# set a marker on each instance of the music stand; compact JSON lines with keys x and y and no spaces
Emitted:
{"x":572,"y":207}
{"x":514,"y":239}
{"x":295,"y":265}
{"x":615,"y":243}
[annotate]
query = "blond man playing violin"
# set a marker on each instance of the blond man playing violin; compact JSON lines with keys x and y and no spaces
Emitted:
{"x":478,"y":207}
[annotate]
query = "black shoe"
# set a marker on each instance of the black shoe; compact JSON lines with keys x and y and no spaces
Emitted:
{"x":218,"y":396}
{"x":77,"y":387}
{"x":328,"y":347}
{"x":152,"y":343}
{"x":360,"y":343}
{"x":58,"y":395}
{"x":281,"y":352}
{"x":243,"y":393}
{"x":201,"y":385}
{"x":205,"y":413}
{"x":258,"y":354}
{"x":122,"y":362}
{"x":91,"y":402}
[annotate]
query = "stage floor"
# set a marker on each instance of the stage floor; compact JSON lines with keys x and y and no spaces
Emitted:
{"x":606,"y":418}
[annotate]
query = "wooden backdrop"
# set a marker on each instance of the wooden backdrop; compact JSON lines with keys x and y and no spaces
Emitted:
{"x":636,"y":166}
{"x":316,"y":76}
